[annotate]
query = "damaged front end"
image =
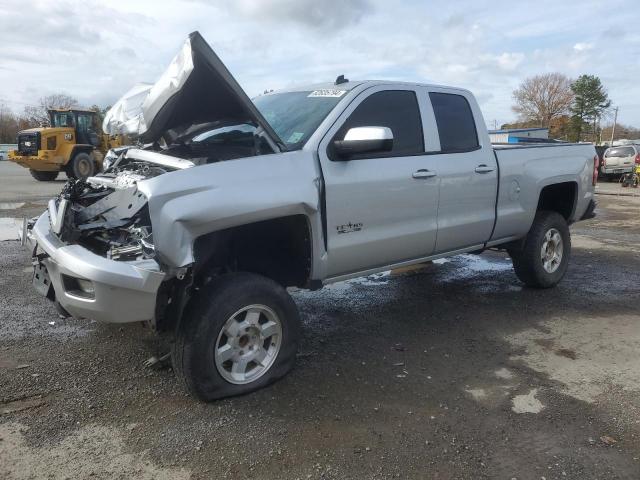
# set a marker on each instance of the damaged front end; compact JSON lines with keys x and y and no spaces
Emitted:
{"x":93,"y":248}
{"x":107,"y":214}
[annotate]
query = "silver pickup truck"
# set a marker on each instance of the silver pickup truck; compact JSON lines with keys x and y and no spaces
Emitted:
{"x":231,"y":201}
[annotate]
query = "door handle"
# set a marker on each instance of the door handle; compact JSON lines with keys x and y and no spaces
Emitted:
{"x":423,"y":173}
{"x":484,"y":169}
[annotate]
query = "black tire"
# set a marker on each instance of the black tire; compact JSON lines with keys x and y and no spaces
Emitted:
{"x":205,"y":317}
{"x":44,"y":176}
{"x":81,"y":166}
{"x":528,"y":262}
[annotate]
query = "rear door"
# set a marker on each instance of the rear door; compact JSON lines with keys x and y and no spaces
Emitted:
{"x":380,"y":208}
{"x":467,"y":170}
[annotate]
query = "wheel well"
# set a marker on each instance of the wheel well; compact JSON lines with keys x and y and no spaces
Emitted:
{"x":279,"y":249}
{"x":560,"y":197}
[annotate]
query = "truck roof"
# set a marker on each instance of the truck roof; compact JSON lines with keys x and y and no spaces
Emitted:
{"x":73,"y":109}
{"x":351,"y":84}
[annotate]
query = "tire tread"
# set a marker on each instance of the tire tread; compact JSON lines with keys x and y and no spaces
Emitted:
{"x":224,"y":293}
{"x":527,"y":265}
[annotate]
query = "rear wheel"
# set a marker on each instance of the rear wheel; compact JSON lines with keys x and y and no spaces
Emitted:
{"x":44,"y":176}
{"x":81,"y":166}
{"x":239,"y":334}
{"x":543,"y":260}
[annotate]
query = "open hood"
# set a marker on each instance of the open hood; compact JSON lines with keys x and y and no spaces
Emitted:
{"x":196,"y":88}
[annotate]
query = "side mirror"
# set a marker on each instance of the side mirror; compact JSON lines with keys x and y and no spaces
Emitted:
{"x":364,"y":140}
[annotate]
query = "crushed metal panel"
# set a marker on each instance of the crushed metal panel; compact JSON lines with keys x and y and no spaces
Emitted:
{"x":119,"y":205}
{"x":125,"y":117}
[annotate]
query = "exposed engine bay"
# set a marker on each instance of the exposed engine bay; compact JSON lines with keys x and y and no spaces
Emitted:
{"x":108,"y":215}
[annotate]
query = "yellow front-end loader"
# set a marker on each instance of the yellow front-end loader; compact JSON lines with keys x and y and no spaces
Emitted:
{"x":72,"y":144}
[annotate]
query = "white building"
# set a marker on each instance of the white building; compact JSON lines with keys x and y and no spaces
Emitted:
{"x":519,"y":135}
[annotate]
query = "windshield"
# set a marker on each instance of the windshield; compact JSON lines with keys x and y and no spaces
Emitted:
{"x":62,"y":119}
{"x":295,"y":115}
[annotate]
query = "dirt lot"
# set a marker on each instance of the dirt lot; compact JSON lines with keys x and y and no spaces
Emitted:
{"x":450,"y":371}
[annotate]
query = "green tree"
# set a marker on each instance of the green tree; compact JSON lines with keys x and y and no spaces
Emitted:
{"x":100,"y":113}
{"x":590,"y":102}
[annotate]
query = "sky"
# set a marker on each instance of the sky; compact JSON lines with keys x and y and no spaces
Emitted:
{"x":96,"y":50}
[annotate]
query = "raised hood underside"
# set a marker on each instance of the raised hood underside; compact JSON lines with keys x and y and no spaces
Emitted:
{"x":196,"y":88}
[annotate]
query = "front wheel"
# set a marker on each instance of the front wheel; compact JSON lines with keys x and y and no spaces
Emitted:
{"x":81,"y":166}
{"x":240,"y":333}
{"x":543,"y":259}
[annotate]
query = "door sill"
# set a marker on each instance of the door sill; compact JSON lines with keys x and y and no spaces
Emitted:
{"x":406,"y":263}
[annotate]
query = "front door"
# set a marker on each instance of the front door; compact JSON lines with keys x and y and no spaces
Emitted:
{"x":381,"y":208}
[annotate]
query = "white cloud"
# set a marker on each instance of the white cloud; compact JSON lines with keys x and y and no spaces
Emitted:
{"x":96,"y":49}
{"x":326,"y":15}
{"x":583,"y":46}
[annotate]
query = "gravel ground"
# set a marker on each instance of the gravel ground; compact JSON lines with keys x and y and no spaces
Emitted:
{"x":451,"y":370}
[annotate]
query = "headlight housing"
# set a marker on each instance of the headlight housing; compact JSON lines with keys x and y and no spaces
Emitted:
{"x":109,"y":158}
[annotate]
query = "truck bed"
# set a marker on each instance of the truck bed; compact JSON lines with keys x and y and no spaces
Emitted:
{"x":526,"y":169}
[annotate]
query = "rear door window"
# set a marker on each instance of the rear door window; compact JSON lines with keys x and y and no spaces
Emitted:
{"x":396,"y":109}
{"x":456,"y":125}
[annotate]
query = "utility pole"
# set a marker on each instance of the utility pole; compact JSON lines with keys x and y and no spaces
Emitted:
{"x":613,"y":130}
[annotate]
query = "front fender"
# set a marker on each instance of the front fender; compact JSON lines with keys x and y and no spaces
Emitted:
{"x":187,"y":204}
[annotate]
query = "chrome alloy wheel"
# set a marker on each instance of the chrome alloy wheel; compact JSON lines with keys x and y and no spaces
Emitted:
{"x":551,"y":251}
{"x":248,"y":344}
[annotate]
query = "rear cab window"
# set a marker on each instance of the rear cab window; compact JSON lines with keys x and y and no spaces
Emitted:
{"x":455,"y":122}
{"x":395,"y":109}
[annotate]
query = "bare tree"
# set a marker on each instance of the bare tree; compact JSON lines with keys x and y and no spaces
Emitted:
{"x":542,"y":98}
{"x":35,"y":116}
{"x":8,"y":124}
{"x":622,"y":131}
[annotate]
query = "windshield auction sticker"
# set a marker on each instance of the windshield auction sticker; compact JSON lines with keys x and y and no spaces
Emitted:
{"x":327,"y":93}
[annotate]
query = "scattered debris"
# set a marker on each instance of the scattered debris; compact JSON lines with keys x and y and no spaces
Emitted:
{"x":607,"y":440}
{"x":158,"y":362}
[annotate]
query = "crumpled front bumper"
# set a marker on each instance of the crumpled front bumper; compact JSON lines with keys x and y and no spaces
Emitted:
{"x":123,"y":291}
